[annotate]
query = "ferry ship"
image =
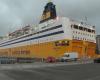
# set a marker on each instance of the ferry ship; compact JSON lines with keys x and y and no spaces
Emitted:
{"x":52,"y":37}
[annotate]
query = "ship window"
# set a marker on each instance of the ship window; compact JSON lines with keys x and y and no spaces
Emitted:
{"x":85,"y":29}
{"x":93,"y":31}
{"x":64,"y":43}
{"x":73,"y":37}
{"x":89,"y":30}
{"x":71,"y":26}
{"x":83,"y":38}
{"x":78,"y":38}
{"x":76,"y":26}
{"x":80,"y":28}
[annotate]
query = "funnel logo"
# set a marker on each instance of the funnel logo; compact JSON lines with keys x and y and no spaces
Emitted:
{"x":49,"y":12}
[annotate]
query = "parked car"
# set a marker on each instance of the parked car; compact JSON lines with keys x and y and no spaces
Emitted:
{"x":50,"y":59}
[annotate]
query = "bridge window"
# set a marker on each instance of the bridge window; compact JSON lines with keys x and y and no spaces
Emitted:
{"x":76,"y":26}
{"x":89,"y":30}
{"x":80,"y":28}
{"x":93,"y":31}
{"x":85,"y":29}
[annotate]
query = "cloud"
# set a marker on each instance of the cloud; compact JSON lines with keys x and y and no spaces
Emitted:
{"x":78,"y":9}
{"x":17,"y":13}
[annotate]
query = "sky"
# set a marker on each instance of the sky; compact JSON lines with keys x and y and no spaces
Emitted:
{"x":15,"y":14}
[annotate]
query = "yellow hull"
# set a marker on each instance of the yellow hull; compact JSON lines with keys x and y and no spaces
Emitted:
{"x":84,"y":48}
{"x":44,"y":50}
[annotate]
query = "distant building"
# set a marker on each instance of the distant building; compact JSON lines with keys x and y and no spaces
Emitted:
{"x":98,"y":44}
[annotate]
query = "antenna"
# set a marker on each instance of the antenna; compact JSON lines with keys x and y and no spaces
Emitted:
{"x":86,"y":19}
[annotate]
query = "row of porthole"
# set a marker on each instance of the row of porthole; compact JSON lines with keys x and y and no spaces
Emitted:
{"x":82,"y":39}
{"x":83,"y":34}
{"x":38,"y":41}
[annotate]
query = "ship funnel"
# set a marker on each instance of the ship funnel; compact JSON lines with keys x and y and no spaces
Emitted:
{"x":49,"y":12}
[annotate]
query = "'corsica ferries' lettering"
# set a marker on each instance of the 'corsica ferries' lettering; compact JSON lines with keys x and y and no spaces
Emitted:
{"x":22,"y":52}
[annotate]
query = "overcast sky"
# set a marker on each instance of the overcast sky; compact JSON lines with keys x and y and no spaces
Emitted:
{"x":17,"y":13}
